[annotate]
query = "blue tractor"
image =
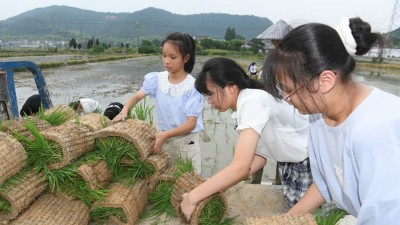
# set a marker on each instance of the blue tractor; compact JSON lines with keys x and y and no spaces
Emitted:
{"x":8,"y":97}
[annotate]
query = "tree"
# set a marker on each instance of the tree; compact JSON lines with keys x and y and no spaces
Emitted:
{"x":72,"y":43}
{"x":90,"y":43}
{"x":230,"y":34}
{"x":97,"y":41}
{"x":256,"y":45}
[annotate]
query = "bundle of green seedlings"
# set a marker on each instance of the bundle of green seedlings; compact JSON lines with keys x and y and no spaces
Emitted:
{"x":117,"y":149}
{"x":324,"y":218}
{"x":212,"y":213}
{"x":101,"y":214}
{"x":54,"y":118}
{"x":161,"y":196}
{"x":5,"y":205}
{"x":142,"y":112}
{"x":67,"y":180}
{"x":42,"y":152}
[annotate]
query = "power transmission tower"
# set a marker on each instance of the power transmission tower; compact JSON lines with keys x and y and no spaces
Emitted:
{"x":394,"y":22}
{"x":137,"y":31}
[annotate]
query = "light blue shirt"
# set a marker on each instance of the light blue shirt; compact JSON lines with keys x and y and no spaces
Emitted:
{"x":355,"y":164}
{"x":174,"y":102}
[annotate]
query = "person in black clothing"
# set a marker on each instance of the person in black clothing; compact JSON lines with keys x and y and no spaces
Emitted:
{"x":113,"y":109}
{"x":31,"y":106}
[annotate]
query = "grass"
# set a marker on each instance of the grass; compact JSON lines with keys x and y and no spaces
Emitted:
{"x":101,"y":214}
{"x":323,"y":218}
{"x":115,"y":149}
{"x":54,"y":118}
{"x":161,"y":200}
{"x":213,"y":212}
{"x":143,"y":112}
{"x":5,"y":206}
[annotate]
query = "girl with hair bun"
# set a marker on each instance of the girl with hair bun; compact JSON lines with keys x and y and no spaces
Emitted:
{"x":354,"y":128}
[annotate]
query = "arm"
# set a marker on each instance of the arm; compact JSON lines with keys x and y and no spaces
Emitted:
{"x":236,"y":171}
{"x":183,"y":129}
{"x":132,"y":101}
{"x":309,"y":202}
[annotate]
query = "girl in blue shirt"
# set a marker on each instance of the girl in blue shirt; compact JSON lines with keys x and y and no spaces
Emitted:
{"x":178,"y":105}
{"x":354,"y":128}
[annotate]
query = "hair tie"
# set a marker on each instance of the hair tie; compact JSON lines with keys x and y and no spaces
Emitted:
{"x":345,"y":34}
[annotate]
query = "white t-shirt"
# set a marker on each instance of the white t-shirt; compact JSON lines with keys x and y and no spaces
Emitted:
{"x":89,"y":105}
{"x":283,"y":131}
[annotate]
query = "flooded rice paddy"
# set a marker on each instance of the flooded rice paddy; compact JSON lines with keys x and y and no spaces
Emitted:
{"x":117,"y":80}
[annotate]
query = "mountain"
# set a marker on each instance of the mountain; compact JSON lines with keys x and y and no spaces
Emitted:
{"x":66,"y":22}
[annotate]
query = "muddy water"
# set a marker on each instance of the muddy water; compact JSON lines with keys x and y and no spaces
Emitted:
{"x":118,"y":80}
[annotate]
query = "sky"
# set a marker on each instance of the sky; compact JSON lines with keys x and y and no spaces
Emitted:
{"x":295,"y":12}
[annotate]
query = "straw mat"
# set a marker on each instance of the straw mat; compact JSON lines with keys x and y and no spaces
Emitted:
{"x":140,"y":133}
{"x":52,"y":210}
{"x":12,"y":157}
{"x":74,"y":139}
{"x":96,"y":175}
{"x":68,"y":111}
{"x":93,"y":121}
{"x":23,"y":194}
{"x":132,"y":200}
{"x":18,"y":126}
{"x":299,"y":219}
{"x":187,"y":182}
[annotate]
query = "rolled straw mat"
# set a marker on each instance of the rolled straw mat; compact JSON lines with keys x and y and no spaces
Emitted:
{"x":184,"y":184}
{"x":12,"y":157}
{"x":96,"y":175}
{"x":50,"y":209}
{"x":74,"y":139}
{"x":18,"y":126}
{"x":23,"y":194}
{"x":140,"y":133}
{"x":70,"y":113}
{"x":131,"y":200}
{"x":93,"y":121}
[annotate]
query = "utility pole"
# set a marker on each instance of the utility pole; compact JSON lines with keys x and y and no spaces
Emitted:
{"x":137,"y":31}
{"x":53,"y":25}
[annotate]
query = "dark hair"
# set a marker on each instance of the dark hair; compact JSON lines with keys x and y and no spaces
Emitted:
{"x":186,"y":45}
{"x":309,"y":49}
{"x":113,"y":109}
{"x":74,"y":105}
{"x":223,"y":72}
{"x":31,"y":106}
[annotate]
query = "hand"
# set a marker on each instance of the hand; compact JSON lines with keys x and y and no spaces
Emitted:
{"x":161,"y":137}
{"x":120,"y":117}
{"x":187,"y":206}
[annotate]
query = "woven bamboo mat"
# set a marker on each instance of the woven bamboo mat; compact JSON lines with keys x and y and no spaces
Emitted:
{"x":12,"y":157}
{"x":23,"y":194}
{"x":140,"y":133}
{"x":52,"y":210}
{"x":132,"y":200}
{"x":74,"y":139}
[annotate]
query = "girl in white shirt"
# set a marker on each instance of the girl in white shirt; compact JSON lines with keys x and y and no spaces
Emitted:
{"x":269,"y":129}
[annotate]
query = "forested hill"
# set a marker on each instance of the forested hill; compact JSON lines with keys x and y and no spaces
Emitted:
{"x":68,"y":22}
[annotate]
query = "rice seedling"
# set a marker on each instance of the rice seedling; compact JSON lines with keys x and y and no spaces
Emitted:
{"x":5,"y":206}
{"x":143,"y":112}
{"x":161,"y":200}
{"x":54,"y":118}
{"x":323,"y":218}
{"x":212,"y":213}
{"x":67,"y":180}
{"x":101,"y":214}
{"x":103,"y":121}
{"x":116,"y":149}
{"x":77,"y":119}
{"x":40,"y":151}
{"x":183,"y":166}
